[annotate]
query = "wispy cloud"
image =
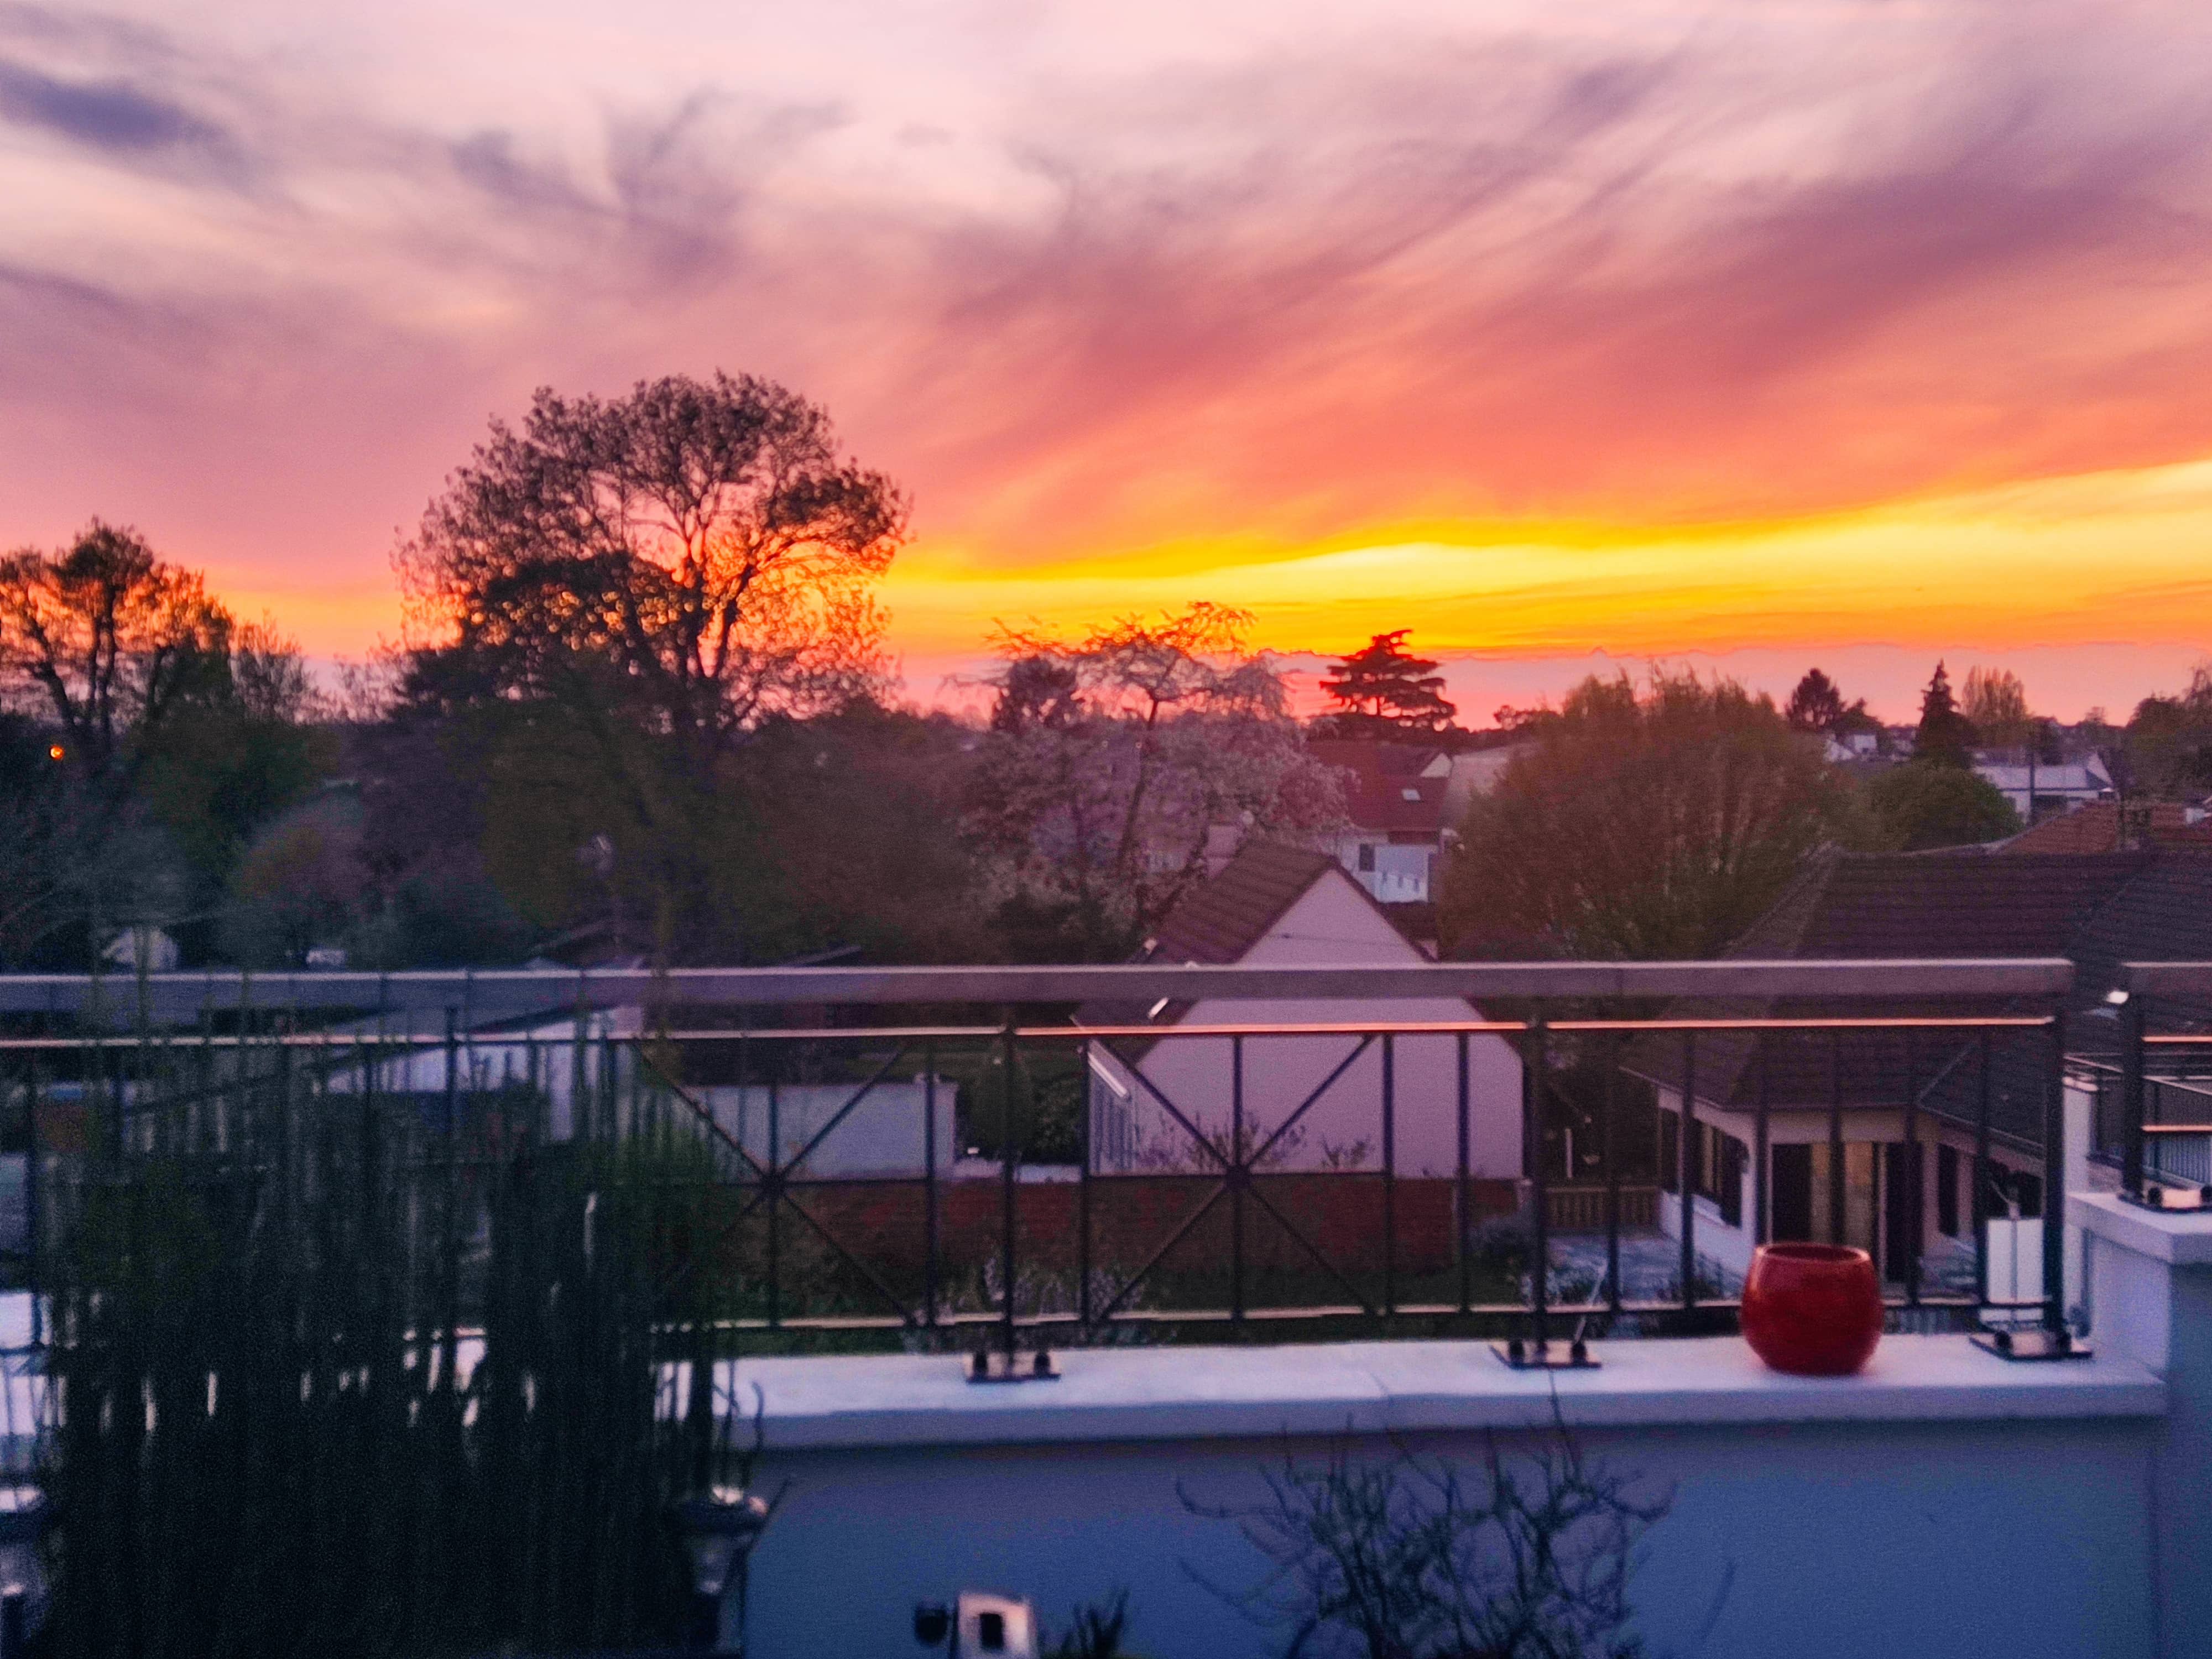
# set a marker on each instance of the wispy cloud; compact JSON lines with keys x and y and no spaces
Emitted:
{"x":1089,"y":287}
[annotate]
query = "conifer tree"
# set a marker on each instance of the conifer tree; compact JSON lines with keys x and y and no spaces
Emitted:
{"x":1946,"y":736}
{"x":1384,"y":687}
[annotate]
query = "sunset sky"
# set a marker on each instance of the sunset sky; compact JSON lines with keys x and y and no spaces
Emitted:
{"x":1761,"y":332}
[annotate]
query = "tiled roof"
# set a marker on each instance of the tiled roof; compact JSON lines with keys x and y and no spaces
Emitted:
{"x":1216,"y":923}
{"x":2100,"y":910}
{"x":2095,"y":828}
{"x":1385,"y":791}
{"x":1218,"y":920}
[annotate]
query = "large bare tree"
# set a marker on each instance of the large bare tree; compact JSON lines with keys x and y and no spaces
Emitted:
{"x":656,"y":574}
{"x":699,"y":551}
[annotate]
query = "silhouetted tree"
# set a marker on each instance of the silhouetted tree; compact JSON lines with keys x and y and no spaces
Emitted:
{"x":172,"y":733}
{"x":1944,"y":737}
{"x":657,"y":575}
{"x":111,"y":640}
{"x":1815,"y":705}
{"x":1383,"y":689}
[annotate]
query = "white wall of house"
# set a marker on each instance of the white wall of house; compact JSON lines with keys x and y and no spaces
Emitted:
{"x":1392,"y":873}
{"x":2068,"y":782}
{"x":884,"y":1133}
{"x":1870,"y":1128}
{"x":1332,"y":926}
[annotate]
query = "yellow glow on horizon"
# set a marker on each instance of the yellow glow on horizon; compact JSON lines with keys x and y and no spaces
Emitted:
{"x":2095,"y":558}
{"x":2106,"y":556}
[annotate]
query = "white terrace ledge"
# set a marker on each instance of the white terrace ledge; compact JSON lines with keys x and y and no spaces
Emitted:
{"x":1368,"y":1388}
{"x":2179,"y":1238}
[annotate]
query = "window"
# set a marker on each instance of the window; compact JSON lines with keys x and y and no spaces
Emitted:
{"x":1669,"y":1157}
{"x":1366,"y":858}
{"x":1946,"y":1191}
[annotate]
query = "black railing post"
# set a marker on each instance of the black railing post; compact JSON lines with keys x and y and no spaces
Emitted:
{"x":1684,"y":1164}
{"x":1609,"y":1144}
{"x":2131,"y":1095}
{"x":1082,"y":1198}
{"x":32,"y":1257}
{"x":1836,"y":1138}
{"x":2054,"y":1181}
{"x":1916,"y":1204}
{"x":1008,"y":1153}
{"x":1762,"y":1216}
{"x":1465,"y":1191}
{"x":453,"y":1218}
{"x":1534,"y":1059}
{"x":1238,"y":1172}
{"x":929,"y":1183}
{"x":773,"y":1164}
{"x":1389,"y":1177}
{"x":1980,"y":1207}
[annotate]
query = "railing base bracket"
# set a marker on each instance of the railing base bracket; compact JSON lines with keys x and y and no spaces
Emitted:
{"x":2172,"y":1199}
{"x":1545,"y":1356}
{"x":2032,"y":1345}
{"x":988,"y":1366}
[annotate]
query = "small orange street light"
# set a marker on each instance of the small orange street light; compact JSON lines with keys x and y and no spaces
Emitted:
{"x":53,"y":751}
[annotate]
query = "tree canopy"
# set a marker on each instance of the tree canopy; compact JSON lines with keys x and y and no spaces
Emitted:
{"x":1111,"y":761}
{"x":1924,"y":803}
{"x":1383,"y":688}
{"x":1996,"y":705}
{"x":1641,"y":824}
{"x":2169,"y":741}
{"x":627,"y":592}
{"x":107,"y":640}
{"x":697,"y":554}
{"x":1816,"y":705}
{"x":165,"y":733}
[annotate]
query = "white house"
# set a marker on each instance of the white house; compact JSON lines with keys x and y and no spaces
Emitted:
{"x":2055,"y":786}
{"x":1282,"y":906}
{"x":1394,"y":804}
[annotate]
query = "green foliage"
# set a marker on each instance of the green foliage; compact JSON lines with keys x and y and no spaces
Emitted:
{"x":2169,"y":741}
{"x":1924,"y":803}
{"x":273,"y":1440}
{"x":1639,"y":825}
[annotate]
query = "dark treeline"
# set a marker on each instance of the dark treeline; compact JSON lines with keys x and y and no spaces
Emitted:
{"x":642,"y":711}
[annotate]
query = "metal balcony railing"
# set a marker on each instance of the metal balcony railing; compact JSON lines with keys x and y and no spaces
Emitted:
{"x":916,"y":1154}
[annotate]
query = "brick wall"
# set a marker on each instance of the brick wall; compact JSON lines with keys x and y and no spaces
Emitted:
{"x":1132,"y":1216}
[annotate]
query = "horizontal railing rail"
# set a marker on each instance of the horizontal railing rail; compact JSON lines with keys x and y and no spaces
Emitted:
{"x":492,"y":993}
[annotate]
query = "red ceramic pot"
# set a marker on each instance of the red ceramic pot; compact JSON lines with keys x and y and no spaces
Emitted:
{"x":1811,"y":1310}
